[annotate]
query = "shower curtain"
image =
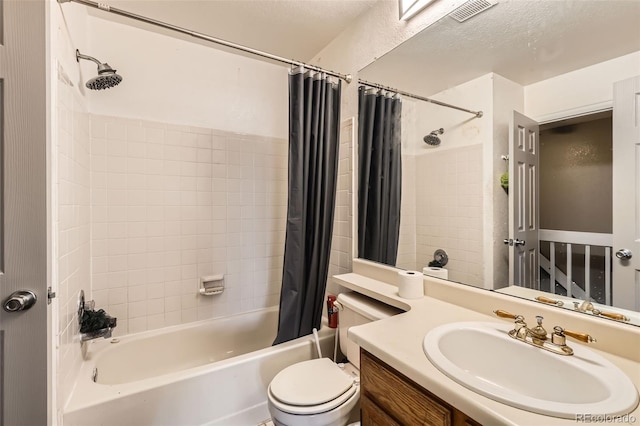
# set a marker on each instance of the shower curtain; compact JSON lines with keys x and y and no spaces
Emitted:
{"x":314,"y":116}
{"x":380,"y":175}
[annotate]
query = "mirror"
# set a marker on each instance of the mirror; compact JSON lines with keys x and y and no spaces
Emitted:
{"x":556,"y":63}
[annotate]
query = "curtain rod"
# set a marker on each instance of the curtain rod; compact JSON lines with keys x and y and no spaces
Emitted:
{"x":195,"y":34}
{"x":478,"y":114}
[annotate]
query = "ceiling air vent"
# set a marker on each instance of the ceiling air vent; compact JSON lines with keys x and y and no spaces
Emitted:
{"x":471,"y":9}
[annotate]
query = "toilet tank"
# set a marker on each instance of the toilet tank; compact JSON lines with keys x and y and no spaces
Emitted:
{"x":358,"y":309}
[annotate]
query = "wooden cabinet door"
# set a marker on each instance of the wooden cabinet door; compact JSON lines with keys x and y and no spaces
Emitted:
{"x":387,"y":398}
{"x":372,"y":415}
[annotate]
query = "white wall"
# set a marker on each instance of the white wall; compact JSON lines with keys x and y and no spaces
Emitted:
{"x":341,"y":243}
{"x":169,"y":80}
{"x":585,"y":90}
{"x":69,"y":189}
{"x":460,"y":128}
{"x":406,"y":258}
{"x":451,"y":212}
{"x":176,"y":87}
{"x":72,"y":230}
{"x":171,"y":204}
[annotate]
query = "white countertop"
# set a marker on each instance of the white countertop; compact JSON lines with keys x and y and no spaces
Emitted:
{"x":398,"y":342}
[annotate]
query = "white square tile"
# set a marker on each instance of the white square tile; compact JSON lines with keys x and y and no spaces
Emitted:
{"x":137,"y":310}
{"x":189,"y":155}
{"x":116,"y":130}
{"x":189,"y":315}
{"x":189,"y":139}
{"x":136,"y":133}
{"x":154,"y":136}
{"x":172,"y":137}
{"x":172,"y":318}
{"x":138,"y":325}
{"x":117,"y":296}
{"x":156,"y":321}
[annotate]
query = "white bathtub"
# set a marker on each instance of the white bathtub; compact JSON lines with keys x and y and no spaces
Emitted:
{"x":213,"y":372}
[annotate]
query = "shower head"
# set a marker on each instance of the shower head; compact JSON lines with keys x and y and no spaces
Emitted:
{"x":106,"y":78}
{"x":432,"y":138}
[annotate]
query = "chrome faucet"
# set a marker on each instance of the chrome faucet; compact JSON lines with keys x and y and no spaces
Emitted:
{"x":87,"y":307}
{"x":103,"y":332}
{"x":537,"y":336}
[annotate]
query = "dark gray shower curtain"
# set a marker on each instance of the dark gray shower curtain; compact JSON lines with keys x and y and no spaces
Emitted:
{"x":314,"y":117}
{"x":380,"y":175}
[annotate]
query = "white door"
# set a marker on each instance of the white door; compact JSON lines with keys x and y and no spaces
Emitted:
{"x":23,"y":212}
{"x":626,"y":198}
{"x":523,"y":202}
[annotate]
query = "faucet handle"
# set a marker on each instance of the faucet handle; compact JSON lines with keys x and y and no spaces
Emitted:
{"x":560,"y":332}
{"x":558,"y":336}
{"x":583,"y":337}
{"x":505,"y":314}
{"x":612,"y":315}
{"x":548,"y":301}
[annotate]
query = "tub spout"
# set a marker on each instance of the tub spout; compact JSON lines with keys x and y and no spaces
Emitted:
{"x":104,"y":332}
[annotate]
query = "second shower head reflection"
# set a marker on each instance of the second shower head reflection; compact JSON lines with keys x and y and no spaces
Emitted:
{"x":432,"y":138}
{"x":106,"y":78}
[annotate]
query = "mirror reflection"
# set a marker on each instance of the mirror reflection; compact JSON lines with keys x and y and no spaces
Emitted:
{"x":535,"y":198}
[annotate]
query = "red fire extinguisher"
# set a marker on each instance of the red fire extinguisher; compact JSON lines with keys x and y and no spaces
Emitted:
{"x":332,"y":311}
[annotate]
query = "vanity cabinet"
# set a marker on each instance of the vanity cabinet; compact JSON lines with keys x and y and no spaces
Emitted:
{"x":389,"y":398}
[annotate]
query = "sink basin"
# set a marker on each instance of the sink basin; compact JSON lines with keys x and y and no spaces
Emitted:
{"x":482,"y":357}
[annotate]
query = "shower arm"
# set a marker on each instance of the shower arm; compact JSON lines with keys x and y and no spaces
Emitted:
{"x":86,"y":57}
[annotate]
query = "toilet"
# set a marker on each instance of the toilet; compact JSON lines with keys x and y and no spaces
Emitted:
{"x":319,"y":392}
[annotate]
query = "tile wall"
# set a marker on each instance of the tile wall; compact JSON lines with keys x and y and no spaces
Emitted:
{"x":341,"y":251}
{"x":71,"y":223}
{"x":407,"y":241}
{"x":170,"y":204}
{"x":449,"y":210}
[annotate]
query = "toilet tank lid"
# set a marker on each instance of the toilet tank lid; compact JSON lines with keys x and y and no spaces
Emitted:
{"x":366,"y":306}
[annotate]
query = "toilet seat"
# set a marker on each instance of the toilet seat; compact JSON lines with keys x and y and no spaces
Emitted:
{"x":311,"y":387}
{"x":306,"y":410}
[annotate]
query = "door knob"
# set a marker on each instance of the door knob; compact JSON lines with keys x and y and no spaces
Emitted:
{"x":624,"y":254}
{"x":518,"y":242}
{"x":508,"y":241}
{"x":20,"y":300}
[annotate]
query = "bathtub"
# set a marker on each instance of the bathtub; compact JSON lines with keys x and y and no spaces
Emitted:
{"x":213,"y":372}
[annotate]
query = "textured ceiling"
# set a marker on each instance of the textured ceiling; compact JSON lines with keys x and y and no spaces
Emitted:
{"x":525,"y":41}
{"x":295,"y":29}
